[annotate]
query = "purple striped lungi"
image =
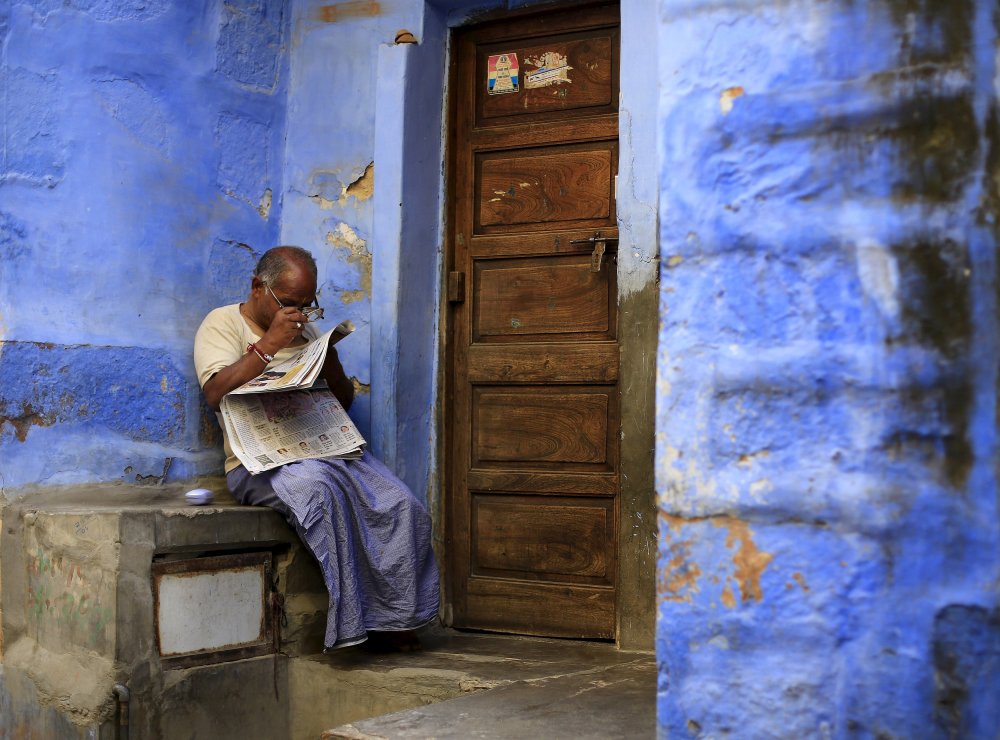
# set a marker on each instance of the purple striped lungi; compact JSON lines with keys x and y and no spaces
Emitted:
{"x":369,"y":533}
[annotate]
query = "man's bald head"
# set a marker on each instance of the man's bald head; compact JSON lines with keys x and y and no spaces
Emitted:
{"x":279,"y":260}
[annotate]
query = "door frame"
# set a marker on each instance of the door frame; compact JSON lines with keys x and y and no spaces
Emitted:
{"x":411,"y":265}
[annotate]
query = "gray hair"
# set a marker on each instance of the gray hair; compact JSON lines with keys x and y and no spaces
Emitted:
{"x":278,"y":260}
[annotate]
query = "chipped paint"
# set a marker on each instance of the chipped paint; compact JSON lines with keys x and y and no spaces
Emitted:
{"x":22,"y":422}
{"x":264,"y":207}
{"x":678,"y":576}
{"x":346,"y":239}
{"x":747,"y":459}
{"x":750,"y":562}
{"x":728,"y":599}
{"x":361,"y":189}
{"x":142,"y":393}
{"x":728,"y":96}
{"x":336,"y":12}
{"x":364,"y":187}
{"x":800,"y":579}
{"x":324,"y":203}
{"x":684,"y":560}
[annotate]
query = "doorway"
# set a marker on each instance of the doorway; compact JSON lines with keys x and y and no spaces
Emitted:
{"x":533,"y":370}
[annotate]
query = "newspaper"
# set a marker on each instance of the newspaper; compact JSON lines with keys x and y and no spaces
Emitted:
{"x":283,"y":415}
{"x":299,"y":371}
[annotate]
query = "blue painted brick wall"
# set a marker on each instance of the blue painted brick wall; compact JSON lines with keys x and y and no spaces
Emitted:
{"x":139,"y":182}
{"x":827,"y":406}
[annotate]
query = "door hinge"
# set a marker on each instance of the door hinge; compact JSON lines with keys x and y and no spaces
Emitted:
{"x":456,"y":287}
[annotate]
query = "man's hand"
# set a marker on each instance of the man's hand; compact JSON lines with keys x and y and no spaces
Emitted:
{"x":285,"y":328}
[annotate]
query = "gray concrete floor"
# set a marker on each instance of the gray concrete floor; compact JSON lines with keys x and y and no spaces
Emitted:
{"x":517,"y":687}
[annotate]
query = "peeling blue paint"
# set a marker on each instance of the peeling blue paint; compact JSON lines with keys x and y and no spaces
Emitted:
{"x":134,"y":392}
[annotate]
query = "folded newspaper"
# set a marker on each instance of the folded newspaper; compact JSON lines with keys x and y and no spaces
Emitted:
{"x":284,"y":414}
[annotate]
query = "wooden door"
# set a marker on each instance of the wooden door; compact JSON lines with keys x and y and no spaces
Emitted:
{"x":533,"y":413}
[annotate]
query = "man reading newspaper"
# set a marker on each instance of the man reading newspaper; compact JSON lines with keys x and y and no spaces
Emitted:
{"x":282,"y":415}
{"x":370,"y":535}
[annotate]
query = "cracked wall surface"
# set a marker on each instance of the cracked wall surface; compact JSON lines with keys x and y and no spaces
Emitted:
{"x":827,"y":369}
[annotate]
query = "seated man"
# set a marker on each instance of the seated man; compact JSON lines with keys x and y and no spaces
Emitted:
{"x":371,"y":536}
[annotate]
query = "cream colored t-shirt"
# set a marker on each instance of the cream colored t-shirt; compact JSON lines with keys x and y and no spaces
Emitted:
{"x":221,"y":340}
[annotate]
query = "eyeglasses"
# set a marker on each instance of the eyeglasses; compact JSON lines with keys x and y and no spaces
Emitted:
{"x":313,"y":313}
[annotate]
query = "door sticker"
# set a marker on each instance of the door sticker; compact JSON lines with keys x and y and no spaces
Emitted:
{"x":503,"y":74}
{"x":552,"y":69}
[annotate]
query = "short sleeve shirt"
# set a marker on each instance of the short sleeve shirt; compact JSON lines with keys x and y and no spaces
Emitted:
{"x":221,"y":340}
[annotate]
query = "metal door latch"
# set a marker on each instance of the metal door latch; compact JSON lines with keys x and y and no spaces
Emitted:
{"x":600,"y":243}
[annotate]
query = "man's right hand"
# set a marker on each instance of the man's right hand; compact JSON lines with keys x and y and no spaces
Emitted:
{"x":285,"y":328}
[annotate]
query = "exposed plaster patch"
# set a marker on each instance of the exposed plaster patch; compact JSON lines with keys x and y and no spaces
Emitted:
{"x":352,"y":296}
{"x":360,"y":189}
{"x":759,"y":487}
{"x":750,"y":562}
{"x":679,"y":573}
{"x":364,"y":187}
{"x":324,"y":203}
{"x":361,"y":389}
{"x":799,"y":579}
{"x":337,"y":12}
{"x":24,"y":421}
{"x":747,"y":459}
{"x":678,"y":578}
{"x":151,"y":480}
{"x":264,"y":207}
{"x":728,"y":599}
{"x":345,"y":238}
{"x":728,"y":96}
{"x":879,"y":275}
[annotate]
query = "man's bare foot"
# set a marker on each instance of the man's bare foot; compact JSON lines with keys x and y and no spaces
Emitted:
{"x":405,"y":641}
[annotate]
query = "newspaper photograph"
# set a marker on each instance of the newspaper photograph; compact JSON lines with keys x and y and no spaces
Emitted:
{"x":270,"y":429}
{"x":299,"y":371}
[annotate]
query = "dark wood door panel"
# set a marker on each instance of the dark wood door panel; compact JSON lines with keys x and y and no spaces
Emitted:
{"x":556,"y":610}
{"x":536,"y":363}
{"x":556,"y":539}
{"x":543,"y":481}
{"x":548,"y":296}
{"x":543,"y":134}
{"x":542,"y":187}
{"x":569,"y":73}
{"x":539,"y":427}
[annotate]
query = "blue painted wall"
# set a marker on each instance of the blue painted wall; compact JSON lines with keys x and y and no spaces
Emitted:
{"x":151,"y":152}
{"x":827,"y":372}
{"x":140,"y":176}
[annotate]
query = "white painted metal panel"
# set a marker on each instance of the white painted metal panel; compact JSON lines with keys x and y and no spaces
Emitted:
{"x":211,"y":610}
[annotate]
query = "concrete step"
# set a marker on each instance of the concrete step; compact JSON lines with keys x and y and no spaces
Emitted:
{"x":498,"y":686}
